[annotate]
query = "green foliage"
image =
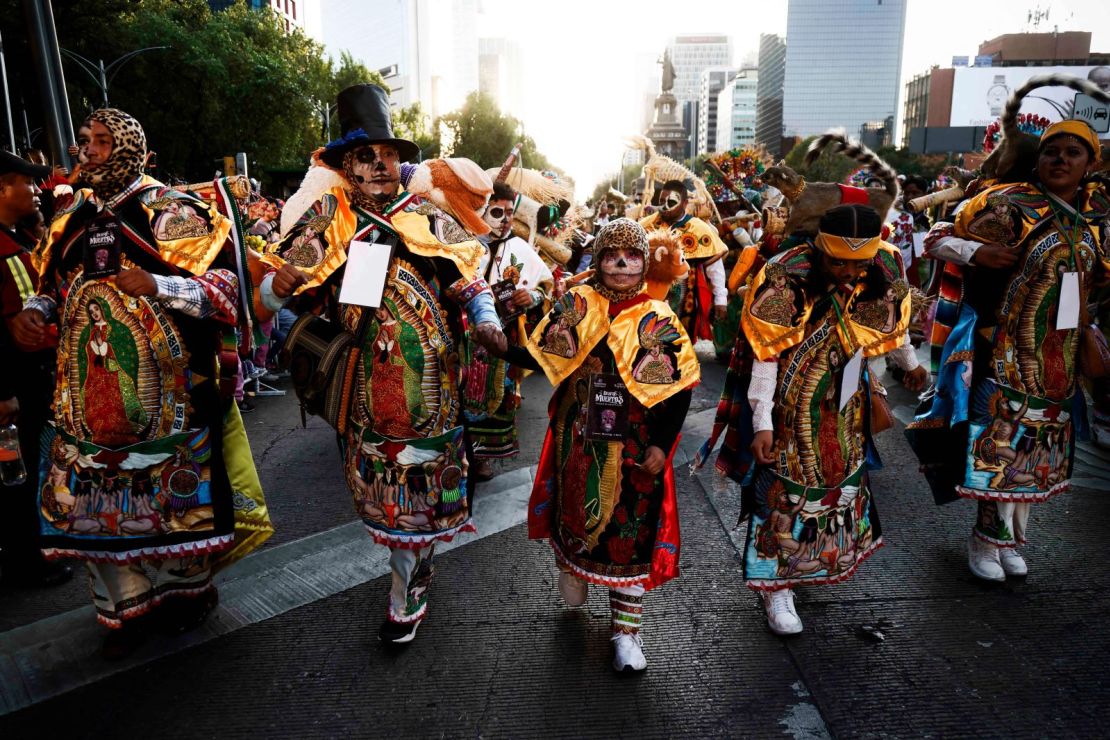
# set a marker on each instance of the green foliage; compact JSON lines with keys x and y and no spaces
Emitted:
{"x":907,"y":163}
{"x":481,"y":132}
{"x":414,"y":124}
{"x":828,"y":167}
{"x":230,"y":81}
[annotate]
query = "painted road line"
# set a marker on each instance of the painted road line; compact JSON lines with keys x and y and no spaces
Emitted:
{"x":58,"y":654}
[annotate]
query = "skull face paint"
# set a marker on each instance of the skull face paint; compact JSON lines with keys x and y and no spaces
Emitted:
{"x":672,"y":204}
{"x":499,"y":216}
{"x":621,"y":268}
{"x":375,"y":170}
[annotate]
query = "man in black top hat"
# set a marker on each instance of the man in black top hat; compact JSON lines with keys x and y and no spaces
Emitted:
{"x":26,"y":384}
{"x":401,"y":441}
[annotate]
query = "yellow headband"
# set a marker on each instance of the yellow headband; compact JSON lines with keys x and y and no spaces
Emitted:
{"x":848,"y":248}
{"x":1078,"y":129}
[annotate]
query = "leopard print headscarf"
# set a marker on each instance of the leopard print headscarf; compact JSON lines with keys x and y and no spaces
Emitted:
{"x":128,"y":155}
{"x":621,"y":233}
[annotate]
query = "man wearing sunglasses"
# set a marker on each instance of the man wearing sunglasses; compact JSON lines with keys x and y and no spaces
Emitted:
{"x":703,"y":295}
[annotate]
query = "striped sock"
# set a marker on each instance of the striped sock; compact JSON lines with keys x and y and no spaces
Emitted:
{"x":628,"y":607}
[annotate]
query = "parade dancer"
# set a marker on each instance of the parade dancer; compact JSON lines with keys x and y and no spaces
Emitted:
{"x":522,"y":284}
{"x":142,"y":283}
{"x":403,"y":448}
{"x":703,"y":297}
{"x":1002,"y":426}
{"x":812,"y":315}
{"x":623,"y":369}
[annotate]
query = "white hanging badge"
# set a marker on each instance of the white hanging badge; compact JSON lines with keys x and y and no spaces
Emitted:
{"x":365,"y":274}
{"x":1067,"y":313}
{"x":849,"y":379}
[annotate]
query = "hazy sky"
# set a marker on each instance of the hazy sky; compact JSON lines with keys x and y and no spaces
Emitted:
{"x":587,"y":62}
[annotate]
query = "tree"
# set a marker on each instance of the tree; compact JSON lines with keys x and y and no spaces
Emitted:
{"x":831,"y":167}
{"x":414,"y":124}
{"x":481,"y":132}
{"x":230,"y":81}
{"x":828,"y":167}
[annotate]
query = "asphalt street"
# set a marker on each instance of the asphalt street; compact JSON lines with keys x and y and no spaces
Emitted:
{"x":913,"y":646}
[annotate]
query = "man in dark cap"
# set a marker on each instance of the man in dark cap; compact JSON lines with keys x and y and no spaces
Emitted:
{"x":401,"y":439}
{"x":26,"y":384}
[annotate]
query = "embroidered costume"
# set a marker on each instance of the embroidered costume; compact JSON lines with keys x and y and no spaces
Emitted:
{"x":1008,"y":407}
{"x":491,"y":393}
{"x":402,"y":444}
{"x":137,"y":471}
{"x":608,"y":520}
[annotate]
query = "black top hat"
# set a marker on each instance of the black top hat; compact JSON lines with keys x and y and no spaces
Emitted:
{"x":364,"y":118}
{"x":11,"y":163}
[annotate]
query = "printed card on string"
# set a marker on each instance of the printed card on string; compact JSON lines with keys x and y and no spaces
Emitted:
{"x":102,"y":248}
{"x":1067,"y":313}
{"x":365,"y":274}
{"x":502,"y":295}
{"x":607,"y":408}
{"x":850,"y":378}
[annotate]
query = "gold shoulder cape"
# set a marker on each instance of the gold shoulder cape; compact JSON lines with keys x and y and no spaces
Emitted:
{"x":191,"y":253}
{"x":584,"y":313}
{"x":771,"y":332}
{"x":411,"y":226}
{"x":699,"y":240}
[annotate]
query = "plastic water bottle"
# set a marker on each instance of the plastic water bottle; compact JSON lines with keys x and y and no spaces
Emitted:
{"x":12,"y":471}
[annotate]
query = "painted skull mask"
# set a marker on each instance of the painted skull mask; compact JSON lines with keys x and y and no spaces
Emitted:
{"x":375,"y":171}
{"x":499,"y":216}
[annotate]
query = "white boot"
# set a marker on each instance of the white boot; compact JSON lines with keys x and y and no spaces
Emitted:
{"x":984,"y":560}
{"x":574,"y":590}
{"x":628,"y":652}
{"x":781,"y":616}
{"x":1012,"y":562}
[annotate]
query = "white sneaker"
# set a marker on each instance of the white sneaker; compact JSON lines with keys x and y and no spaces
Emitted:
{"x":781,"y":616}
{"x":1012,"y":562}
{"x":628,"y":653}
{"x":574,"y":590}
{"x":984,"y":560}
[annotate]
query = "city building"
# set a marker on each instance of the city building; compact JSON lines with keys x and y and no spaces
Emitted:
{"x":426,"y":50}
{"x":768,"y":94}
{"x":691,"y":55}
{"x":500,"y":74}
{"x":948,"y":108}
{"x":737,"y":111}
{"x":291,"y":12}
{"x":713,"y":81}
{"x":843,"y":64}
{"x":877,"y":134}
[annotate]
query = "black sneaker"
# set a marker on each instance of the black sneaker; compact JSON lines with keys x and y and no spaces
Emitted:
{"x":397,"y":633}
{"x":245,"y":407}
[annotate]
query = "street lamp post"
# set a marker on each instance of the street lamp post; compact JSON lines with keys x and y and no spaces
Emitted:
{"x":99,"y":72}
{"x":7,"y":97}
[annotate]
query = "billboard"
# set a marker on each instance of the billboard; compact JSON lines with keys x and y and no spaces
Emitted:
{"x":980,"y":93}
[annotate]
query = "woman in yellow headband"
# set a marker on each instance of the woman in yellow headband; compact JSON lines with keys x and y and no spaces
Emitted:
{"x":1000,"y":430}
